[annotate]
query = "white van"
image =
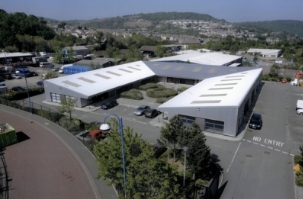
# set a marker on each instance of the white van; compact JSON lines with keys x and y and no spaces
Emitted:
{"x":46,"y":65}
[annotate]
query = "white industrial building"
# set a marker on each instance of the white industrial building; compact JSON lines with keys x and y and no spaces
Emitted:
{"x":210,"y":58}
{"x":265,"y":52}
{"x":217,"y":101}
{"x":217,"y":104}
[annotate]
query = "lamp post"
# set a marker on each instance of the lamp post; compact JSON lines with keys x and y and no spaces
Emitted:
{"x":184,"y":149}
{"x":29,"y":99}
{"x":106,"y":127}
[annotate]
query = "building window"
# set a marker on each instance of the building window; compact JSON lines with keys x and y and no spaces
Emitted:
{"x":187,"y":120}
{"x":55,"y":98}
{"x":214,"y":126}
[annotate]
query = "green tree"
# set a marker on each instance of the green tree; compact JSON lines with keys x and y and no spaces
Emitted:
{"x":70,"y":54}
{"x":170,"y":132}
{"x":50,"y":75}
{"x":67,"y":106}
{"x":62,"y":25}
{"x":147,"y":177}
{"x":160,"y":51}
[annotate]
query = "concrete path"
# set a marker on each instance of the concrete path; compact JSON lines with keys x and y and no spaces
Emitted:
{"x":50,"y":162}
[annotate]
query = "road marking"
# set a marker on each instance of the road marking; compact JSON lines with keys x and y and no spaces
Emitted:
{"x":284,"y":152}
{"x":292,"y":154}
{"x":269,"y":147}
{"x":277,"y":150}
{"x":243,"y":139}
{"x":216,"y":146}
{"x":234,"y":157}
{"x":262,"y":145}
{"x":248,"y":141}
{"x":256,"y":143}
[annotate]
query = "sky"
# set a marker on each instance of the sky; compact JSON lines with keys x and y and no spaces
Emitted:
{"x":229,"y":10}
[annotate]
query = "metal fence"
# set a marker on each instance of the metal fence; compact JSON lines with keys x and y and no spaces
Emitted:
{"x":75,"y":126}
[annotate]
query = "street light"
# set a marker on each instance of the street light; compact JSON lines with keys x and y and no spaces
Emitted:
{"x":106,"y":127}
{"x":184,"y":149}
{"x":29,"y":99}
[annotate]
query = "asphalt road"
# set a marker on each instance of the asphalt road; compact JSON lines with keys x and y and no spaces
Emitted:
{"x":258,"y":166}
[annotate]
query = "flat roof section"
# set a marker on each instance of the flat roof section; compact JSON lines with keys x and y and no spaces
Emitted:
{"x":211,"y":58}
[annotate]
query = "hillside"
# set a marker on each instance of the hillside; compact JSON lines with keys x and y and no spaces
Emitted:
{"x":291,"y":26}
{"x":141,"y":20}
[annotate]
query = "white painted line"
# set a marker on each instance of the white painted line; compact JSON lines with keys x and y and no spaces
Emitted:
{"x":262,"y":145}
{"x":284,"y":152}
{"x":277,"y":150}
{"x":256,"y":143}
{"x":217,"y":146}
{"x":124,"y":110}
{"x":269,"y":147}
{"x":243,"y":139}
{"x":248,"y":141}
{"x":292,"y":154}
{"x":141,"y":122}
{"x":234,"y":157}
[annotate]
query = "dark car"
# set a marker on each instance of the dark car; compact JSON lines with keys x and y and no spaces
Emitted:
{"x":256,"y":121}
{"x":40,"y":83}
{"x":141,"y":110}
{"x":18,"y":88}
{"x":151,"y":113}
{"x":109,"y":104}
{"x":34,"y":73}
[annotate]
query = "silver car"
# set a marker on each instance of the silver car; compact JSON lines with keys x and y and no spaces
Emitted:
{"x":141,"y":110}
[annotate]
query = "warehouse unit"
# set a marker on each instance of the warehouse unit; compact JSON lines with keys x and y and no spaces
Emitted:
{"x":211,"y":58}
{"x":217,"y":104}
{"x":265,"y":52}
{"x":75,"y":69}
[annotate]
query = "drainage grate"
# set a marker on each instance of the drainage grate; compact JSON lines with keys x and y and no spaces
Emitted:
{"x":266,"y":152}
{"x":249,"y":156}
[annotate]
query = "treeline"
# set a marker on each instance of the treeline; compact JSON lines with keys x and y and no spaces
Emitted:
{"x":160,"y":16}
{"x":14,"y":29}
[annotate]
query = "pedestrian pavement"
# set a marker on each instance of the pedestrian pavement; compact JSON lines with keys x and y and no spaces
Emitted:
{"x":83,"y":155}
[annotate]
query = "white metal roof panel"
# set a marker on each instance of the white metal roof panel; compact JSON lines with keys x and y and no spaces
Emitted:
{"x":226,"y":90}
{"x":101,"y":80}
{"x":5,"y":54}
{"x":211,"y":58}
{"x":263,"y":51}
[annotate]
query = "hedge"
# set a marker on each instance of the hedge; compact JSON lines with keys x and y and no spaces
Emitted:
{"x":162,"y":100}
{"x":132,"y":94}
{"x":180,"y":90}
{"x":162,"y":93}
{"x":19,"y":95}
{"x":150,"y":85}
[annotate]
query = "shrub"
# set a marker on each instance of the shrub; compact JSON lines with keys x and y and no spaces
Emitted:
{"x":132,"y":94}
{"x":150,"y":86}
{"x":180,"y":90}
{"x":298,"y":159}
{"x":299,"y":179}
{"x":163,"y":100}
{"x":162,"y":93}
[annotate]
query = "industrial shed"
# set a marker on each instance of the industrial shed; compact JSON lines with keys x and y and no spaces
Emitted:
{"x":265,"y":52}
{"x":217,"y":104}
{"x":211,"y":58}
{"x":91,"y":86}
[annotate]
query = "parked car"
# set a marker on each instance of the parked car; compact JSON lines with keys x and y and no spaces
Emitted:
{"x":40,"y":83}
{"x":300,"y":111}
{"x":15,"y":76}
{"x":34,"y":73}
{"x":18,"y":88}
{"x":2,"y":83}
{"x":256,"y":121}
{"x":141,"y":110}
{"x":151,"y":113}
{"x":109,"y":104}
{"x":46,"y":65}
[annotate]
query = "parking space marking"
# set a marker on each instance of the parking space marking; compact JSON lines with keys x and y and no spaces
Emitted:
{"x":248,"y":140}
{"x":256,"y":143}
{"x":284,"y":152}
{"x":270,"y":147}
{"x":277,"y":150}
{"x":262,"y":145}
